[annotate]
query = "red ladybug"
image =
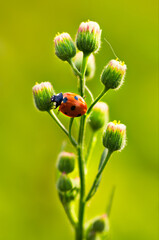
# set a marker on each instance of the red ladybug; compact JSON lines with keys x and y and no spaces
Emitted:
{"x":71,"y":104}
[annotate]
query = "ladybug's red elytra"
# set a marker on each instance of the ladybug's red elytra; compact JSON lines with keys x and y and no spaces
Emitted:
{"x":70,"y":104}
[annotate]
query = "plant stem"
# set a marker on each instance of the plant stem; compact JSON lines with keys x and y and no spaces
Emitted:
{"x":81,"y":162}
{"x":91,"y":95}
{"x":70,"y":128}
{"x":98,"y":176}
{"x":108,"y":210}
{"x":81,"y":165}
{"x":96,"y":100}
{"x":70,"y":214}
{"x":53,"y":115}
{"x":74,"y":67}
{"x":83,"y":70}
{"x":90,"y":146}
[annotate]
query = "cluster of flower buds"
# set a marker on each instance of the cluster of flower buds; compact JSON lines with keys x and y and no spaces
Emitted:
{"x":99,"y":116}
{"x":90,"y":70}
{"x":114,"y":137}
{"x":99,"y":227}
{"x":42,"y":94}
{"x":67,"y":187}
{"x":66,"y":164}
{"x":88,"y":40}
{"x":113,"y":74}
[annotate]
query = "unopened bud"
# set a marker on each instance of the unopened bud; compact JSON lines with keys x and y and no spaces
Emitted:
{"x":90,"y":70}
{"x":99,"y":224}
{"x":66,"y":162}
{"x":113,"y":74}
{"x":64,"y":46}
{"x":99,"y":116}
{"x":114,"y":137}
{"x":42,"y":93}
{"x":64,"y":183}
{"x":88,"y":37}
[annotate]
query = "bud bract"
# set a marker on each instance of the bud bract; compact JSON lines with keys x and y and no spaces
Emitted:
{"x":114,"y":137}
{"x":88,"y":37}
{"x":64,"y":183}
{"x":42,"y":93}
{"x":99,"y":116}
{"x":113,"y":74}
{"x":64,"y":46}
{"x":90,"y":70}
{"x":66,"y":162}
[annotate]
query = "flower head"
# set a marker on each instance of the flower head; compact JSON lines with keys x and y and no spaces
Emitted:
{"x":66,"y":162}
{"x":114,"y":137}
{"x":88,"y":37}
{"x":113,"y":74}
{"x":64,"y":46}
{"x":42,"y":93}
{"x":64,"y":183}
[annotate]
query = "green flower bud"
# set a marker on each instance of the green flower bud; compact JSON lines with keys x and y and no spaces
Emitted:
{"x":113,"y":74}
{"x":90,"y":70}
{"x":88,"y":37}
{"x":99,"y":116}
{"x":98,"y":227}
{"x":42,"y":94}
{"x":64,"y":46}
{"x":66,"y":162}
{"x":99,"y":224}
{"x":64,"y":183}
{"x":114,"y":137}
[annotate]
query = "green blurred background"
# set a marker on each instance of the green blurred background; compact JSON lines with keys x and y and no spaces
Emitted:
{"x":30,"y":141}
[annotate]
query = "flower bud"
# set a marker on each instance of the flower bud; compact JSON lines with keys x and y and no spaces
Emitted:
{"x":113,"y":74}
{"x":64,"y":46}
{"x":66,"y":162}
{"x":64,"y":183}
{"x":99,"y":224}
{"x":42,"y":93}
{"x":88,"y":37}
{"x":114,"y":137}
{"x":99,"y":116}
{"x":90,"y":70}
{"x":98,"y":227}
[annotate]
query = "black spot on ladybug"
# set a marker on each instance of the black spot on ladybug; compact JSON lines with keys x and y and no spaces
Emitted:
{"x":73,"y":108}
{"x":65,"y":100}
{"x":66,"y":113}
{"x":76,"y":97}
{"x":78,"y":115}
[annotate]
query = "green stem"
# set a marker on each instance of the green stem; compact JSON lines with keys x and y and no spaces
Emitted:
{"x":90,"y":194}
{"x":91,"y":95}
{"x":53,"y":115}
{"x":70,"y":128}
{"x":108,"y":210}
{"x":83,"y":70}
{"x":81,"y":162}
{"x":96,"y":100}
{"x":91,"y":146}
{"x":74,"y":67}
{"x":70,"y":214}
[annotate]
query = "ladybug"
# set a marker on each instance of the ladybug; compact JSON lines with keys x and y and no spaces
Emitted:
{"x":70,"y":104}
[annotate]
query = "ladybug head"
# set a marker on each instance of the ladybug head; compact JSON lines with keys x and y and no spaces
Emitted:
{"x":57,"y":99}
